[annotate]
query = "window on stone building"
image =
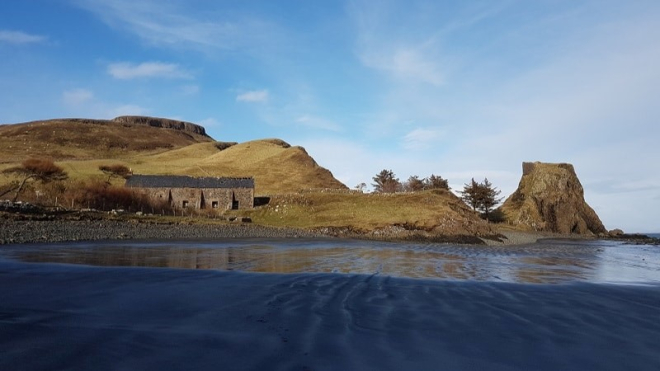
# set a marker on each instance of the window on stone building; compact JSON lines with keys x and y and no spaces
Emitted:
{"x":214,"y":204}
{"x":184,"y":203}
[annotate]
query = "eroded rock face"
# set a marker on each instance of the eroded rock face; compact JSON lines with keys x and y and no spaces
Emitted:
{"x":161,"y":123}
{"x":550,"y":198}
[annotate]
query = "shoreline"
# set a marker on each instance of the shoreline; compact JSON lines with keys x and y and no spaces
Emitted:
{"x":86,"y":226}
{"x":53,"y":230}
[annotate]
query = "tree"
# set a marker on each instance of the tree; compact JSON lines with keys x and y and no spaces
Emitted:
{"x":436,"y":182}
{"x":471,"y":194}
{"x":116,"y":170}
{"x":481,"y":196}
{"x":414,"y":184}
{"x":489,"y":197}
{"x":386,"y":182}
{"x":39,"y":169}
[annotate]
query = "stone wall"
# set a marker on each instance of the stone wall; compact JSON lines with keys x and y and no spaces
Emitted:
{"x":203,"y":198}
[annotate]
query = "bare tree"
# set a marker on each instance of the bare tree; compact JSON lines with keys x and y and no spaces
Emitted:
{"x":38,"y":169}
{"x":116,"y":170}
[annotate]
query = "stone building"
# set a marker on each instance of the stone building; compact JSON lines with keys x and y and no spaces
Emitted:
{"x":199,"y":193}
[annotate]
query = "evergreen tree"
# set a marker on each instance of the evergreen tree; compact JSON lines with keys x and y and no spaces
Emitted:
{"x":489,"y":197}
{"x":481,"y":197}
{"x":386,"y":182}
{"x":414,"y":184}
{"x":436,"y":182}
{"x":471,"y":194}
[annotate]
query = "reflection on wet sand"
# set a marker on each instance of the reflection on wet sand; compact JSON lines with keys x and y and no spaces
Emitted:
{"x":551,"y":269}
{"x":549,"y":263}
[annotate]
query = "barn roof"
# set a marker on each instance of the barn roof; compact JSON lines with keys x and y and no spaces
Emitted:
{"x":180,"y":181}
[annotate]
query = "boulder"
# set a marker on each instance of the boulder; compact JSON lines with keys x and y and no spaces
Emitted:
{"x":550,"y":198}
{"x":615,"y":233}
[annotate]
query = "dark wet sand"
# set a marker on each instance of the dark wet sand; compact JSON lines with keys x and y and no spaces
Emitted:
{"x":66,"y":317}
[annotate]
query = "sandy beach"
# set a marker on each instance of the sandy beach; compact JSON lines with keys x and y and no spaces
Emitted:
{"x":67,"y":317}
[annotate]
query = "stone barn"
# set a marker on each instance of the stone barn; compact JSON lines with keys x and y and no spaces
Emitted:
{"x":198,"y":193}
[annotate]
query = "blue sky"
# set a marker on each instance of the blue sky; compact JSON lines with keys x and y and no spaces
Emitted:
{"x":461,"y":89}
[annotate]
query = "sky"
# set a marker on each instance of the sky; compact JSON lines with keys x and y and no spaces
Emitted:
{"x":459,"y":89}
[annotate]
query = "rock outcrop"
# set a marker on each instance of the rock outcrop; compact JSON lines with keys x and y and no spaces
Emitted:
{"x":550,"y":198}
{"x":161,"y":123}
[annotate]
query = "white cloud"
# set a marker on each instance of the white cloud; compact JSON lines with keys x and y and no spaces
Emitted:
{"x":422,"y":138}
{"x":209,"y":122}
{"x":256,"y":96}
{"x":407,"y":64}
{"x":126,"y":110}
{"x":127,"y":71}
{"x":76,"y":97}
{"x":83,"y":103}
{"x":318,"y":123}
{"x":19,"y":37}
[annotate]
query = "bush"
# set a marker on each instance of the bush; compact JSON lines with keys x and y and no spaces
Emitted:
{"x":495,"y":216}
{"x":100,"y":196}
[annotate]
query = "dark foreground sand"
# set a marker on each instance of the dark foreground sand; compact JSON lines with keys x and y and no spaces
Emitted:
{"x":61,"y":317}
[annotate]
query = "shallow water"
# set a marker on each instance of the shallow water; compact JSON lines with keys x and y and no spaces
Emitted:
{"x":73,"y":316}
{"x":549,"y":261}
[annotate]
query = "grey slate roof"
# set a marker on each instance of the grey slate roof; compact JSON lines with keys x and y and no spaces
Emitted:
{"x":178,"y":181}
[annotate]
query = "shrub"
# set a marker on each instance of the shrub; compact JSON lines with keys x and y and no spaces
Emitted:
{"x":99,"y":195}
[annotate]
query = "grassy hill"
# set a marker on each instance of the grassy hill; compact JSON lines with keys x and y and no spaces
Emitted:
{"x":436,"y":212}
{"x":160,"y":146}
{"x":297,"y":185}
{"x":83,"y":139}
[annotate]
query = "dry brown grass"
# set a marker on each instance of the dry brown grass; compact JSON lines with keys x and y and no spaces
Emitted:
{"x":438,"y":211}
{"x":282,"y":172}
{"x":87,"y":139}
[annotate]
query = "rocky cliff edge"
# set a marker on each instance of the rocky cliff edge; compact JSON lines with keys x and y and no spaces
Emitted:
{"x":550,"y":198}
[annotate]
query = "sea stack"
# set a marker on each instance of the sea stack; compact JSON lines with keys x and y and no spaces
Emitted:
{"x":550,"y":198}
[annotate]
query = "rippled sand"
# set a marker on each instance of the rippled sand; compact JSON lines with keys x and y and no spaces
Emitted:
{"x":121,"y":317}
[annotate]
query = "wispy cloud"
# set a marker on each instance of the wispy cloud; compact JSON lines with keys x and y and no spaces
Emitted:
{"x":407,"y":64}
{"x":408,"y":57}
{"x":19,"y":37}
{"x":127,"y":109}
{"x":76,"y":97}
{"x":422,"y":138}
{"x":177,"y":24}
{"x":318,"y":123}
{"x":128,"y":71}
{"x":254,"y":96}
{"x":81,"y":102}
{"x":210,"y":122}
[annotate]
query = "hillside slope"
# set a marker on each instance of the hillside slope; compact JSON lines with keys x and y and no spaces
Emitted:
{"x":82,"y":139}
{"x":276,"y":167}
{"x":430,"y":213}
{"x":151,"y":145}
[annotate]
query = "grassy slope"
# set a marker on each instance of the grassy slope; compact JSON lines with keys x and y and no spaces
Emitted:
{"x":437,"y":211}
{"x":63,"y":139}
{"x":80,"y":147}
{"x":282,"y":171}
